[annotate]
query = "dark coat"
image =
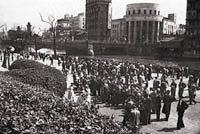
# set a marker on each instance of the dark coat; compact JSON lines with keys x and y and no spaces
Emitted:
{"x":158,"y":102}
{"x":167,"y":104}
{"x":182,"y":107}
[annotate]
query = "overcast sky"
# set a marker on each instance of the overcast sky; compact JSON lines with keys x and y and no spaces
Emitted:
{"x":19,"y":12}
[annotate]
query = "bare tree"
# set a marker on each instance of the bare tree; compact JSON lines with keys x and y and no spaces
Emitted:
{"x":2,"y":25}
{"x":52,"y":22}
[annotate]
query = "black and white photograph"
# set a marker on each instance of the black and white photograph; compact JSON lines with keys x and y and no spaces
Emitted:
{"x":99,"y":66}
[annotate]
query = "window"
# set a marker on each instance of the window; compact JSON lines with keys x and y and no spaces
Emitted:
{"x":145,"y":12}
{"x":129,"y":12}
{"x":150,"y":12}
{"x":155,"y":12}
{"x":139,"y":11}
{"x":133,"y":11}
{"x":158,"y":12}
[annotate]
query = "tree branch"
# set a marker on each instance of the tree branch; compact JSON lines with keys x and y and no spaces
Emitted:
{"x":44,"y":20}
{"x":2,"y":25}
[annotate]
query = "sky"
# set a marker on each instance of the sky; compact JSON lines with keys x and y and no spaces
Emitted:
{"x":15,"y":13}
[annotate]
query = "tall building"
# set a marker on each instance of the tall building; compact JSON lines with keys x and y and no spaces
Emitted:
{"x":64,"y":22}
{"x":78,"y":22}
{"x":143,"y":21}
{"x":192,"y":42}
{"x":98,"y":19}
{"x":172,"y":17}
{"x":118,"y":30}
{"x":169,"y":26}
{"x":64,"y":26}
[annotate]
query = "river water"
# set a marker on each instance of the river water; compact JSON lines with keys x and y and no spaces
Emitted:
{"x":151,"y":60}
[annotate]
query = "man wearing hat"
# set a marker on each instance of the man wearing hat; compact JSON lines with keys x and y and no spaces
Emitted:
{"x":181,"y":86}
{"x":181,"y":107}
{"x":158,"y":104}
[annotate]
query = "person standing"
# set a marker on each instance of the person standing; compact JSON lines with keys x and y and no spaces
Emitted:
{"x":181,"y":86}
{"x":163,"y":87}
{"x":181,"y":107}
{"x":192,"y":90}
{"x":146,"y":111}
{"x":173,"y":88}
{"x":153,"y":96}
{"x":135,"y":119}
{"x":158,"y":105}
{"x":128,"y":107}
{"x":156,"y":83}
{"x":167,"y":100}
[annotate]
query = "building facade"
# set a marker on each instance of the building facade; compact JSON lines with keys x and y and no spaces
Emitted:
{"x":78,"y":22}
{"x":169,"y":26}
{"x":65,"y":22}
{"x":143,"y":21}
{"x":192,"y":42}
{"x":98,"y":19}
{"x":118,"y":30}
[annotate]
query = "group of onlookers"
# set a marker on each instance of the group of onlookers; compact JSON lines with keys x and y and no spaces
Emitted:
{"x":116,"y":83}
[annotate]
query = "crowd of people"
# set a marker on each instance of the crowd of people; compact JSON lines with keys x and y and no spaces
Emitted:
{"x":123,"y":83}
{"x":128,"y":84}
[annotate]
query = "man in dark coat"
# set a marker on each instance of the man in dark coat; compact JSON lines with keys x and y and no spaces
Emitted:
{"x":181,"y":107}
{"x":163,"y":87}
{"x":146,"y":111}
{"x":156,"y":83}
{"x":167,"y":99}
{"x":181,"y":86}
{"x":192,"y":89}
{"x":158,"y":105}
{"x":173,"y":88}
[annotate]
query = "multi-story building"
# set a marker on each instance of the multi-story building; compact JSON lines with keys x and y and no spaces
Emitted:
{"x":69,"y":26}
{"x":143,"y":21}
{"x":118,"y":30}
{"x":192,"y":42}
{"x":169,"y":26}
{"x":98,"y":19}
{"x":78,"y":22}
{"x":65,"y":22}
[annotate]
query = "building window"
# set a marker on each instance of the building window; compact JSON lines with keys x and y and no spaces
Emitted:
{"x":139,"y":11}
{"x":158,"y":12}
{"x":145,"y":12}
{"x":129,"y":12}
{"x":155,"y":12}
{"x":133,"y":11}
{"x":150,"y":12}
